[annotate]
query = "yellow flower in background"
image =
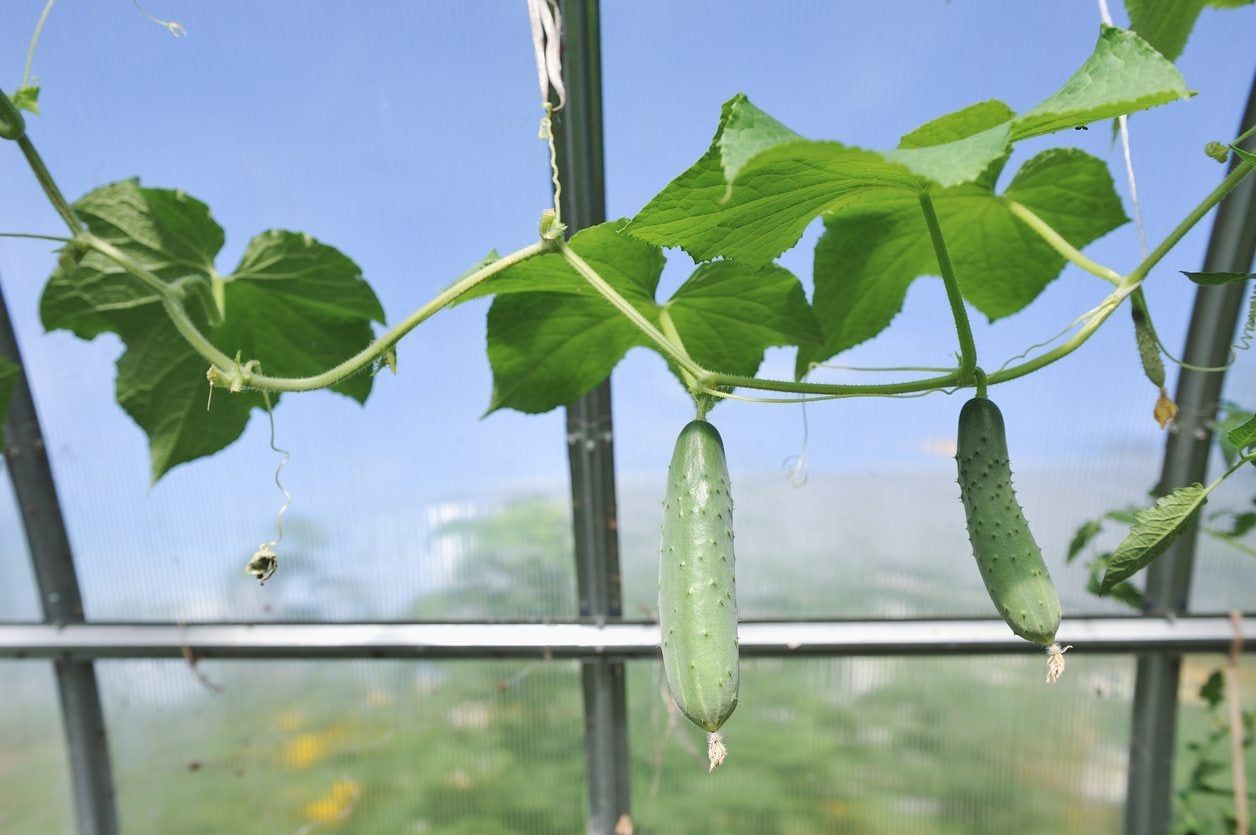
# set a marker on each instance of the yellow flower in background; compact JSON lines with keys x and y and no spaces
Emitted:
{"x":334,"y":807}
{"x":304,"y":750}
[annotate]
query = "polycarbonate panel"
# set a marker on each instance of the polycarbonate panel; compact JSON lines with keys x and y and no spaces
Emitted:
{"x":1203,"y":773}
{"x":878,"y":529}
{"x":35,"y":796}
{"x":361,"y":747}
{"x":971,"y":746}
{"x":19,"y":599}
{"x":323,"y":118}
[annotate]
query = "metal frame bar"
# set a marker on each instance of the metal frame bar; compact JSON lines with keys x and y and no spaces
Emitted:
{"x":1153,"y":735}
{"x":59,"y":599}
{"x":590,"y":445}
{"x":599,"y":642}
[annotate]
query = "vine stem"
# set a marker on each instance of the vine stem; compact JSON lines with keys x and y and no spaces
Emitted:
{"x":967,"y":347}
{"x":232,"y":371}
{"x":673,"y":351}
{"x":668,"y":327}
{"x":1057,"y":242}
{"x":1187,"y":223}
{"x":36,"y":237}
{"x":49,"y":185}
{"x":377,"y":348}
{"x":1131,"y":282}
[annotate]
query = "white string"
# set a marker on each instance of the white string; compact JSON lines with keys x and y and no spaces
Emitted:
{"x":547,"y":26}
{"x":1123,"y":127}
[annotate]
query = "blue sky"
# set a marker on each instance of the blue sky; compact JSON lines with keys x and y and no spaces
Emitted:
{"x":404,"y":134}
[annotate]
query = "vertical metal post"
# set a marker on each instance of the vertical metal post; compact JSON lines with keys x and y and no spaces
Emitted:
{"x":578,"y":131}
{"x":27,"y":463}
{"x":1149,"y":799}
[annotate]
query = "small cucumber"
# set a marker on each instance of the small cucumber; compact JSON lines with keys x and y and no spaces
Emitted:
{"x":1010,"y":561}
{"x":697,"y":596}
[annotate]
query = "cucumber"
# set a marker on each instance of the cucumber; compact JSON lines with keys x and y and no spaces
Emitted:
{"x":1010,"y":560}
{"x":697,"y":595}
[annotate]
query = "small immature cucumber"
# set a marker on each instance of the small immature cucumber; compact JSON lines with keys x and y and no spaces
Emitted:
{"x":12,"y":125}
{"x":1010,"y":561}
{"x":697,"y":597}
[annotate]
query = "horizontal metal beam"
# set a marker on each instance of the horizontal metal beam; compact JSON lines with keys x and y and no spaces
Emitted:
{"x":613,"y":640}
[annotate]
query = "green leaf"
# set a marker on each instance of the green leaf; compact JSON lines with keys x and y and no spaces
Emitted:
{"x":958,"y":125}
{"x":551,"y":337}
{"x":1124,"y":592}
{"x":778,"y":191}
{"x":746,"y":132}
{"x":167,"y":231}
{"x":1082,"y":537}
{"x":26,"y":98}
{"x":547,"y":349}
{"x":631,"y":266}
{"x":161,"y":385}
{"x":300,"y":307}
{"x":1213,"y":690}
{"x":1247,"y":156}
{"x":1124,"y":516}
{"x":752,"y":194}
{"x":296,"y":305}
{"x":1155,"y":529}
{"x":1241,"y":524}
{"x":869,"y":255}
{"x":961,"y":146}
{"x":8,"y":378}
{"x":1229,"y":4}
{"x":1164,"y":24}
{"x":1210,"y":279}
{"x":1233,"y":419}
{"x":728,"y":314}
{"x":1244,"y":435}
{"x":1123,"y":75}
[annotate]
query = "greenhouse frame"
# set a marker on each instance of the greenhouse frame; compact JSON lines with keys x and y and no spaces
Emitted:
{"x":599,"y":635}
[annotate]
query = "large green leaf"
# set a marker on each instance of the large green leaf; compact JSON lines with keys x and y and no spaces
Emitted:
{"x":8,"y":377}
{"x":959,"y":147}
{"x":776,"y":193}
{"x":728,"y":314}
{"x":1123,"y":75}
{"x":869,"y":255}
{"x":633,"y":267}
{"x":1243,"y":435}
{"x":1155,"y":529}
{"x":296,"y":305}
{"x":1165,"y":24}
{"x":551,"y":338}
{"x":752,"y":194}
{"x":300,"y":307}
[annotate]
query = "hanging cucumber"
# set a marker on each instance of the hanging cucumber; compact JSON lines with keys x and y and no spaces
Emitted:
{"x":1149,"y":353}
{"x":1010,"y":561}
{"x":697,"y":596}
